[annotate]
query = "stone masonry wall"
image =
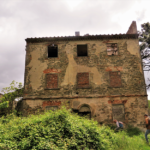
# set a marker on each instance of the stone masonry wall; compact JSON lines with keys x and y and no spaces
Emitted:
{"x":98,"y":80}
{"x":98,"y":64}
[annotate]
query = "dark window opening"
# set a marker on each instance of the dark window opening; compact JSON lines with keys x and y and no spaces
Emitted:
{"x":112,"y":49}
{"x":82,"y":50}
{"x":52,"y":51}
{"x":85,"y":114}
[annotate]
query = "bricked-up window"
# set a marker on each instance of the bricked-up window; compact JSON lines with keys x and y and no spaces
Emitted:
{"x":52,"y":81}
{"x":118,"y":112}
{"x":115,"y":79}
{"x":82,"y":50}
{"x":83,"y":80}
{"x":52,"y":51}
{"x":112,"y":49}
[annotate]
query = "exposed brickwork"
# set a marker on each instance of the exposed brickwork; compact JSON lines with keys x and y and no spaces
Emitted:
{"x":132,"y":28}
{"x":115,"y":79}
{"x":51,"y":81}
{"x":83,"y":80}
{"x":51,"y":103}
{"x":51,"y":70}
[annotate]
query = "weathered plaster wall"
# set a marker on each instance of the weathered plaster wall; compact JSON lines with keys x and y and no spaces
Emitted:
{"x":100,"y":96}
{"x":97,"y":63}
{"x":101,"y":108}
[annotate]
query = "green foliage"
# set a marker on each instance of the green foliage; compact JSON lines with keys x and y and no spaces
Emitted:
{"x":54,"y":130}
{"x":144,"y":38}
{"x":132,"y":131}
{"x":63,"y":130}
{"x":10,"y":93}
{"x":4,"y":104}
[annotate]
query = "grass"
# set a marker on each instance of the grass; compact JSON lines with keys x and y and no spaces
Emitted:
{"x":66,"y":131}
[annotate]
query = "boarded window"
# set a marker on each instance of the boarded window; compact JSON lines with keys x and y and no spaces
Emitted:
{"x":52,"y":51}
{"x":118,"y":112}
{"x":115,"y":79}
{"x":83,"y":80}
{"x":51,"y":81}
{"x":112,"y":49}
{"x":82,"y":50}
{"x":53,"y":108}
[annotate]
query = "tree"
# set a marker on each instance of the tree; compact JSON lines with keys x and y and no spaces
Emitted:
{"x":10,"y":93}
{"x":144,"y":38}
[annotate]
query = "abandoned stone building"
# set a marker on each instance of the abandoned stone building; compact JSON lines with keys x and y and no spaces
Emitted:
{"x":96,"y":75}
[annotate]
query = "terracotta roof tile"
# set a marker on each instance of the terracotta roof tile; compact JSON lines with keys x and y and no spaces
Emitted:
{"x":84,"y":37}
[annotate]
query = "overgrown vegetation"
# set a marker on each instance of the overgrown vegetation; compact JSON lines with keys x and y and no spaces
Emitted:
{"x":9,"y":94}
{"x":66,"y":131}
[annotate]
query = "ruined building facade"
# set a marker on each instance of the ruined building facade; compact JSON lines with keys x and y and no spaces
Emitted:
{"x":99,"y":75}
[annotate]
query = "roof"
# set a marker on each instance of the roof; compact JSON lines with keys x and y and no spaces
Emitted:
{"x":86,"y":37}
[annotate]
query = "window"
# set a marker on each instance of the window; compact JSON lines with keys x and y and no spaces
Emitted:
{"x":112,"y":49}
{"x":115,"y":79}
{"x":82,"y":50}
{"x":118,"y":112}
{"x":51,"y":81}
{"x":52,"y":51}
{"x":83,"y":80}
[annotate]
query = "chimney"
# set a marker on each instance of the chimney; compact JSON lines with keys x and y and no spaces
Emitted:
{"x":86,"y":34}
{"x":77,"y":33}
{"x":133,"y":28}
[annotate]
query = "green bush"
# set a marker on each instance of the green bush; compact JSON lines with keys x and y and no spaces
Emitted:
{"x":54,"y":130}
{"x":62,"y":130}
{"x":131,"y":131}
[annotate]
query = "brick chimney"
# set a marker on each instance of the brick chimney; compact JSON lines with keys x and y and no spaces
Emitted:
{"x":133,"y":28}
{"x":77,"y":33}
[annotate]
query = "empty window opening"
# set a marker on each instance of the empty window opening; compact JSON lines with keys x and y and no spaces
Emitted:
{"x":112,"y":49}
{"x":52,"y":50}
{"x":84,"y":111}
{"x":82,"y":50}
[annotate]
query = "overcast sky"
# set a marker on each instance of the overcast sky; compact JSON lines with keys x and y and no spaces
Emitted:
{"x":21,"y":19}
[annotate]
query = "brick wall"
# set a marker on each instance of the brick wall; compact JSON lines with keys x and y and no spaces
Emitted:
{"x":83,"y":80}
{"x":115,"y":79}
{"x":51,"y":81}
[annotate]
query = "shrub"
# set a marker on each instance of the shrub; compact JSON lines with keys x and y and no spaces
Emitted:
{"x":131,"y":131}
{"x":54,"y":130}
